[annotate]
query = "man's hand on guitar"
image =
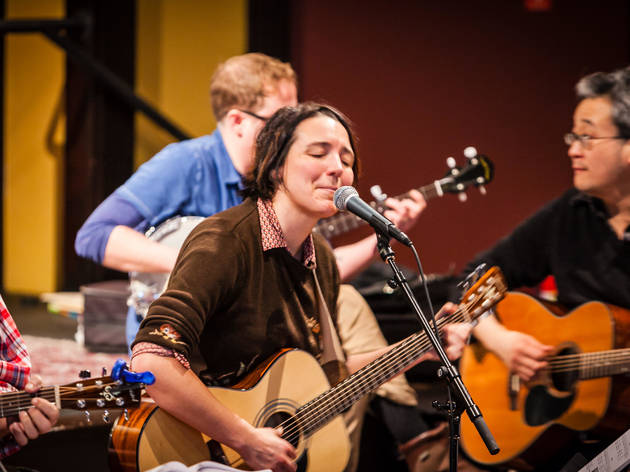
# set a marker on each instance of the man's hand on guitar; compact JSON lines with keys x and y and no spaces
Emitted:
{"x":522,"y":353}
{"x":37,"y":420}
{"x":405,"y":213}
{"x":267,"y":450}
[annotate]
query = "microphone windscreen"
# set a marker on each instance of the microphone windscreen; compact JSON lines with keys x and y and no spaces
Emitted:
{"x":342,"y":195}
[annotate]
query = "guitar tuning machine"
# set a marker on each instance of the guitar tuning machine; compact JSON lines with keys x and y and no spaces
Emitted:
{"x":470,"y":152}
{"x":378,"y":194}
{"x":85,"y":374}
{"x":106,"y":416}
{"x":472,"y":278}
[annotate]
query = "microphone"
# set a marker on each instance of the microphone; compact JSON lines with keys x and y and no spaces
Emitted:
{"x":346,"y":198}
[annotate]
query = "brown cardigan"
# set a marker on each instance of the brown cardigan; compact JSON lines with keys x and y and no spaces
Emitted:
{"x":228,"y":305}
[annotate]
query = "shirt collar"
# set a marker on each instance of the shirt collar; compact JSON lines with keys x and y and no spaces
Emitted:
{"x":273,"y":237}
{"x":225,"y":167}
{"x":597,"y":206}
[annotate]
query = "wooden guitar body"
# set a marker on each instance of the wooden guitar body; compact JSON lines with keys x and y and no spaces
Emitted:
{"x":268,"y":396}
{"x":543,"y":416}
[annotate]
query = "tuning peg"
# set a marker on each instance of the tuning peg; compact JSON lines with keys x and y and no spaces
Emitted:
{"x":88,"y":418}
{"x":462,"y":196}
{"x":126,"y":414}
{"x":106,"y":416}
{"x":377,"y":193}
{"x":450,"y":162}
{"x":85,"y":374}
{"x":470,"y":152}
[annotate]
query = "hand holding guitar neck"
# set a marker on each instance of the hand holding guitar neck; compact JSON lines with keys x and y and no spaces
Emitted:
{"x":477,"y":171}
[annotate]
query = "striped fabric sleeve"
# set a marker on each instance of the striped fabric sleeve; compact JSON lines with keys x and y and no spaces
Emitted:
{"x":143,"y":348}
{"x":15,"y":367}
{"x":15,"y":363}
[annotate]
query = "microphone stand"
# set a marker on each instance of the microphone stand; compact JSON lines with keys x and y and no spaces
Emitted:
{"x":447,"y":371}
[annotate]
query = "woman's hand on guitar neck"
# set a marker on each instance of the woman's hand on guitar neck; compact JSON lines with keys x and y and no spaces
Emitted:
{"x":521,"y":353}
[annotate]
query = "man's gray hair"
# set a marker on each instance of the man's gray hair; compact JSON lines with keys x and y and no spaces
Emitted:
{"x":615,"y":86}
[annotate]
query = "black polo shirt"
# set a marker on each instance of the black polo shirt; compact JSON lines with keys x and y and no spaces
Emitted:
{"x":569,"y":238}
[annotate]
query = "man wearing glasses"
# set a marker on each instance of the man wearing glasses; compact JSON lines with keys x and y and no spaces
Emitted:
{"x":202,"y":176}
{"x":583,"y":237}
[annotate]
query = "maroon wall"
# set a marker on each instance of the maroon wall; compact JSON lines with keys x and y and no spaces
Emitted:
{"x":424,"y":79}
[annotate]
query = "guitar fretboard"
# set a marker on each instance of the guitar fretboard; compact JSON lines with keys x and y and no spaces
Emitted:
{"x":341,"y":223}
{"x":12,"y":403}
{"x":328,"y":405}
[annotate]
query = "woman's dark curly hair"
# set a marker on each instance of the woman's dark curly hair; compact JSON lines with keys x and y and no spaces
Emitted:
{"x":275,"y":140}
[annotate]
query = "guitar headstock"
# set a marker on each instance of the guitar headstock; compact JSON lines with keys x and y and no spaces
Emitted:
{"x":121,"y":389}
{"x":99,"y":393}
{"x":484,"y":294}
{"x":477,"y":171}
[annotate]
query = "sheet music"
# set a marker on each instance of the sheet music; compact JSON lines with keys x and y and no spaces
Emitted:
{"x":614,"y":458}
{"x":205,"y":466}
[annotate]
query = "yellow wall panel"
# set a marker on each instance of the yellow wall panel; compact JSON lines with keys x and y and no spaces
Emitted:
{"x":33,"y":152}
{"x":179,"y":45}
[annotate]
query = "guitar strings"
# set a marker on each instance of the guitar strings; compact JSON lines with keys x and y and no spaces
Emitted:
{"x":375,"y":373}
{"x":588,"y":361}
{"x":346,"y":221}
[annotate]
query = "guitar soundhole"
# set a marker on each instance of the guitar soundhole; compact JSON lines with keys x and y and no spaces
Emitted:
{"x":564,"y":374}
{"x":291,"y":433}
{"x":542,"y":407}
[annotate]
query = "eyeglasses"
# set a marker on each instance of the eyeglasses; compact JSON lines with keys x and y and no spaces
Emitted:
{"x":585,"y":139}
{"x":251,"y":113}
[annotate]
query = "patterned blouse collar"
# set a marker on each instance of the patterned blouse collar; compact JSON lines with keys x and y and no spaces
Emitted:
{"x":273,"y":237}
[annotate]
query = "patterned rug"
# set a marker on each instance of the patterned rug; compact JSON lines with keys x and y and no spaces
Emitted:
{"x":59,"y":361}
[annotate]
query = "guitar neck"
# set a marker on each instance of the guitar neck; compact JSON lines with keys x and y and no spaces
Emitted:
{"x":341,"y":223}
{"x":592,"y":365}
{"x":87,"y":394}
{"x":322,"y":409}
{"x":11,"y":403}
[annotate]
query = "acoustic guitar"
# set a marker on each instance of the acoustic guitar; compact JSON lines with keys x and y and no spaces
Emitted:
{"x":289,"y":390}
{"x":145,"y":287}
{"x":584,"y":388}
